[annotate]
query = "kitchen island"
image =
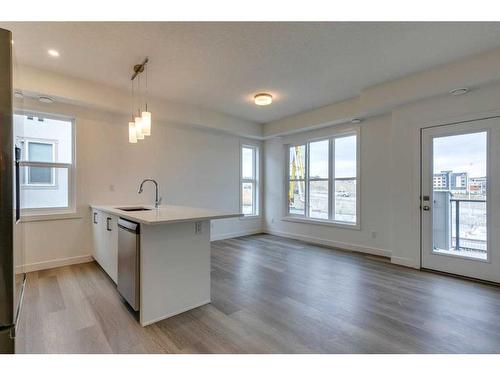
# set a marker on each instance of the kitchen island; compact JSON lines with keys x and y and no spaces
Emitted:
{"x":173,"y":253}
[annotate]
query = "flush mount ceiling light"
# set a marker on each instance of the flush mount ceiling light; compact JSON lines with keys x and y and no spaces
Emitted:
{"x":18,"y":95}
{"x":53,"y":53}
{"x":45,"y":99}
{"x":459,"y":91}
{"x":140,"y":125}
{"x":263,"y":99}
{"x":356,"y":120}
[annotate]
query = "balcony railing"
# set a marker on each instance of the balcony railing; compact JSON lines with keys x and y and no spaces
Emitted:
{"x":469,"y":231}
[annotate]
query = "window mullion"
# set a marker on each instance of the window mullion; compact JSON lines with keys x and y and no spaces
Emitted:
{"x":287,"y":176}
{"x":331,"y":183}
{"x":307,"y":181}
{"x":254,"y":183}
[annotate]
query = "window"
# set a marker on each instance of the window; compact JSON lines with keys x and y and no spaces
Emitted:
{"x":37,"y":151}
{"x":345,"y":179}
{"x":47,"y":166}
{"x":323,"y":179}
{"x":249,"y":180}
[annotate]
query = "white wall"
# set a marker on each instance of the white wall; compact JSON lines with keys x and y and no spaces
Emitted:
{"x":193,"y":167}
{"x":375,"y":199}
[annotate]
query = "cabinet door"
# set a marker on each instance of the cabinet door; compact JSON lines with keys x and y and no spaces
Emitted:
{"x":105,"y":238}
{"x":97,"y":235}
{"x":111,"y":246}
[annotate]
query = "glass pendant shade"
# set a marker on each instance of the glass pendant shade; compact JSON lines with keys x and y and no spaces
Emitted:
{"x":138,"y":128}
{"x":146,"y":123}
{"x":132,"y":133}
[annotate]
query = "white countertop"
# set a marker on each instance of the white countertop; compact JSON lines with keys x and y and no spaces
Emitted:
{"x":166,"y":214}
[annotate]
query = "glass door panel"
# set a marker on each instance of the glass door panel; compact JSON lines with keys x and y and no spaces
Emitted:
{"x":459,"y":191}
{"x":459,"y":195}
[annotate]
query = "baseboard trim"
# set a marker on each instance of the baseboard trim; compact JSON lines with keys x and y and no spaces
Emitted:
{"x":38,"y":266}
{"x":406,"y":262}
{"x":225,"y":236}
{"x":333,"y":244}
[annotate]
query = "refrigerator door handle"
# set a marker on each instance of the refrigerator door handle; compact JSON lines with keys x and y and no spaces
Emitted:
{"x":18,"y":184}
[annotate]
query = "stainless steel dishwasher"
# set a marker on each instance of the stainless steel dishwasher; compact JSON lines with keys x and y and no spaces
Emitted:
{"x":128,"y":261}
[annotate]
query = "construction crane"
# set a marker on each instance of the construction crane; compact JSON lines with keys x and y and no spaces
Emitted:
{"x":297,"y":172}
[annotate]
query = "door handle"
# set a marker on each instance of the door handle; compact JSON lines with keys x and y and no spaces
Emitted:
{"x":426,"y":208}
{"x":108,"y":221}
{"x":95,"y":217}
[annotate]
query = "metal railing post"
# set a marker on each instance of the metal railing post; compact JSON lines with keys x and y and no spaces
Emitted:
{"x":457,"y":225}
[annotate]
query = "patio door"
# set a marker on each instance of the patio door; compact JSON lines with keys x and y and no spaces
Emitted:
{"x":460,"y":199}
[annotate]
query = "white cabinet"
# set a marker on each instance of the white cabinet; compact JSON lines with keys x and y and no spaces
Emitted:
{"x":105,"y":236}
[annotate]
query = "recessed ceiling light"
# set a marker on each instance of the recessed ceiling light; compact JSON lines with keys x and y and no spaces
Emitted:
{"x":459,"y":91}
{"x":263,"y":99}
{"x":45,"y":99}
{"x":53,"y":53}
{"x":356,"y":120}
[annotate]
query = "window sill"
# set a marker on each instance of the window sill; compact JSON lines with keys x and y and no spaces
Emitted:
{"x":50,"y":217}
{"x":251,"y":217}
{"x":321,"y":222}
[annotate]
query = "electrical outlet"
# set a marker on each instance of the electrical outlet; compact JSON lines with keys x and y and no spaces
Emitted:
{"x":272,"y":220}
{"x":111,"y":187}
{"x":197,"y":227}
{"x":373,"y":234}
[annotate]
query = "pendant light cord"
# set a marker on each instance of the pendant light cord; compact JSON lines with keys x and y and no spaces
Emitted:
{"x":133,"y":101}
{"x":146,"y":91}
{"x":139,"y":95}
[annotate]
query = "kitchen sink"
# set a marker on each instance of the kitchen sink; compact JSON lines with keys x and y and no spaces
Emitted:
{"x":130,"y":209}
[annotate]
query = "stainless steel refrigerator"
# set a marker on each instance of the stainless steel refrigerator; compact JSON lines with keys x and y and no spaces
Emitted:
{"x":11,"y":285}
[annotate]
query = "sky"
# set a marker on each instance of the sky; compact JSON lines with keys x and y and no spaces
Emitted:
{"x":345,"y":157}
{"x":461,"y":153}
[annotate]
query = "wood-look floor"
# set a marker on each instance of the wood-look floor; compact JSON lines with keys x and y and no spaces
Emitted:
{"x":270,"y":295}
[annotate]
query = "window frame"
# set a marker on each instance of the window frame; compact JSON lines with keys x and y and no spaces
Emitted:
{"x":254,"y":181}
{"x":305,"y":218}
{"x":29,"y":214}
{"x":26,"y":184}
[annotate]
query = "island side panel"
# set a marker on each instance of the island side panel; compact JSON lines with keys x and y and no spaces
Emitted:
{"x":175,"y":269}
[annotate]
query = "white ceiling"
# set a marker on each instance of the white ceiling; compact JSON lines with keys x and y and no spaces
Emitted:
{"x":220,"y":66}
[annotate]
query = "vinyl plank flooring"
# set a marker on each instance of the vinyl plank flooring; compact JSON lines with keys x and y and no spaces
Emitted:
{"x":270,"y":295}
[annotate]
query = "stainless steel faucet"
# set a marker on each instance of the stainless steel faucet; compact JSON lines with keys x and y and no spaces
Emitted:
{"x":158,"y":198}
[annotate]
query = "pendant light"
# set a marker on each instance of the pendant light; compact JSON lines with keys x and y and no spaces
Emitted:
{"x":132,"y":135}
{"x":141,"y":125}
{"x":138,"y":128}
{"x":146,"y":122}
